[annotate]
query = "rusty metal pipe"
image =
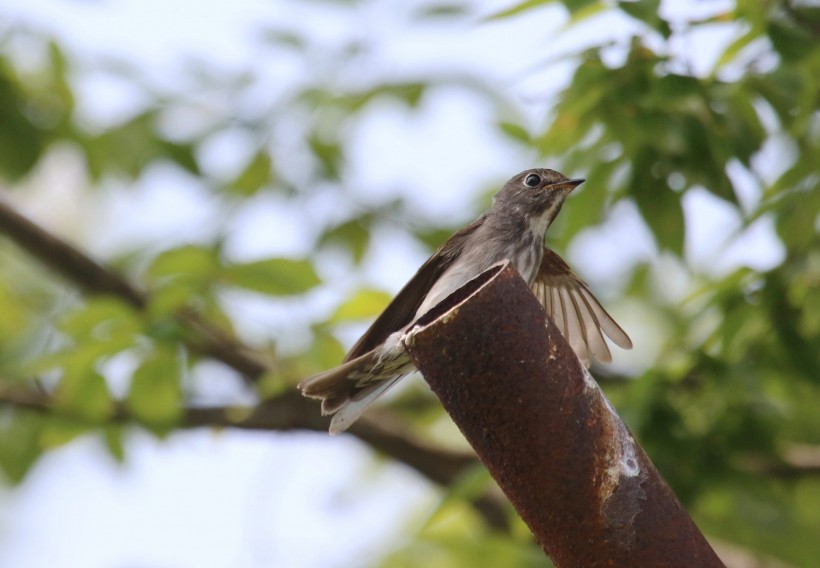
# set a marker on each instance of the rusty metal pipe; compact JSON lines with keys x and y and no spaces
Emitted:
{"x":547,"y":434}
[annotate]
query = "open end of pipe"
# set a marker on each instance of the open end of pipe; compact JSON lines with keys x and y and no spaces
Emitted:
{"x":461,"y":295}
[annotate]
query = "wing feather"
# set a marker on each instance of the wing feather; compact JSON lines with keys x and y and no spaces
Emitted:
{"x":402,"y":309}
{"x":575,"y":310}
{"x":597,"y":346}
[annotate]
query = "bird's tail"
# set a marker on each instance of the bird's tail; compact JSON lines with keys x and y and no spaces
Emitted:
{"x":354,"y":407}
{"x":347,"y":390}
{"x":335,"y":386}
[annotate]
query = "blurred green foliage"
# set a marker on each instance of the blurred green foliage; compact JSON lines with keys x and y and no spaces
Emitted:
{"x":730,"y":399}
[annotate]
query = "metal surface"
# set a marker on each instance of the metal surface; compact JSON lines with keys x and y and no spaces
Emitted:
{"x":547,"y":434}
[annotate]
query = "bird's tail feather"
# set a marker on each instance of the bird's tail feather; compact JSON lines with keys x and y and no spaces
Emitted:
{"x":336,"y":381}
{"x":347,"y":390}
{"x":351,"y":409}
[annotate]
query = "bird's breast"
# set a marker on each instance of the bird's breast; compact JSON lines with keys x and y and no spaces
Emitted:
{"x":524,"y":251}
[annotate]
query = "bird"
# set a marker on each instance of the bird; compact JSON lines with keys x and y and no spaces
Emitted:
{"x":514,"y":228}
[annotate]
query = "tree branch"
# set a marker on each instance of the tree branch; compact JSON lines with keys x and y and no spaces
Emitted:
{"x":66,"y":260}
{"x":289,"y":411}
{"x":292,"y":411}
{"x":93,"y":278}
{"x":794,"y":462}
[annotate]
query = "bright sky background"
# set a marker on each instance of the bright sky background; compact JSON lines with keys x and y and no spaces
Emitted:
{"x":232,"y":499}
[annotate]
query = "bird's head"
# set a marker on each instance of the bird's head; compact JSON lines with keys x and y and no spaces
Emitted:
{"x":534,"y":197}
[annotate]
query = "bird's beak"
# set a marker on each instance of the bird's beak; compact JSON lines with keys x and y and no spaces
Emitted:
{"x":568,"y":185}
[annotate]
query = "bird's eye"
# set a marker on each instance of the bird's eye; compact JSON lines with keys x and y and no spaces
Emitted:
{"x":532,"y":180}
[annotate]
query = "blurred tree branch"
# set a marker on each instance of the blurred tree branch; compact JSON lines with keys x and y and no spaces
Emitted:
{"x":95,"y":279}
{"x":288,"y":411}
{"x":291,"y":411}
{"x":794,"y":462}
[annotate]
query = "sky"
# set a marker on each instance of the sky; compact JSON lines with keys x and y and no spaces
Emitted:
{"x":234,"y":499}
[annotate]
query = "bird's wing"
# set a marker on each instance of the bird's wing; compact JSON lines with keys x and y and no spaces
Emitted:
{"x":576,"y":312}
{"x":402,"y":309}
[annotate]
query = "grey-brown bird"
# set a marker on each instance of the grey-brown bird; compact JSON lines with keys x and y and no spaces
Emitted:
{"x":514,"y":228}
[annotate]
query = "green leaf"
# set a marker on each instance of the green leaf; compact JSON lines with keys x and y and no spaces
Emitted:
{"x":129,"y":148}
{"x":113,"y":437}
{"x":172,"y":297}
{"x":271,"y":384}
{"x":796,"y":222}
{"x":59,"y":86}
{"x":434,"y":237}
{"x":519,"y":8}
{"x":20,"y":444}
{"x":470,"y":484}
{"x":734,"y":48}
{"x":179,"y":276}
{"x":367,"y":303}
{"x":273,"y":276}
{"x":83,"y":392}
{"x":410,"y":93}
{"x":21,"y":143}
{"x":195,"y":262}
{"x":647,"y":12}
{"x":126,"y":149}
{"x":15,"y":315}
{"x":791,"y":42}
{"x":103,"y":321}
{"x":328,"y":153}
{"x":575,"y":6}
{"x":255,"y":175}
{"x":354,"y":234}
{"x":660,"y":207}
{"x":183,"y":155}
{"x":58,"y":431}
{"x":582,"y":10}
{"x":155,"y":395}
{"x":325,"y":351}
{"x":515,"y":131}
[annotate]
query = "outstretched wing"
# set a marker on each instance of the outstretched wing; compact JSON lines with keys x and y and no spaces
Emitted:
{"x":583,"y":321}
{"x":402,"y":309}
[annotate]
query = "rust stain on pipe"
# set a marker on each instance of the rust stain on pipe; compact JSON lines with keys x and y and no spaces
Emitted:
{"x":547,"y":434}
